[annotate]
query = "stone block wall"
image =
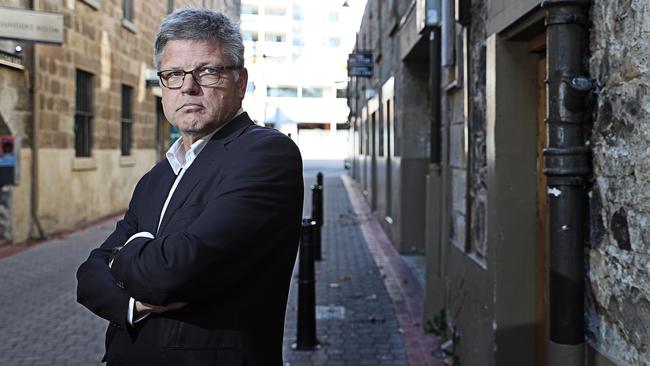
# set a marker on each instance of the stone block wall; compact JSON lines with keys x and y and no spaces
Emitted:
{"x":618,"y":285}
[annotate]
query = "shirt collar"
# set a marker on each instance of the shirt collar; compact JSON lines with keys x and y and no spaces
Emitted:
{"x":178,"y":158}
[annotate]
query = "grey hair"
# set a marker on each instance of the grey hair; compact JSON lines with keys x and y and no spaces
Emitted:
{"x":200,"y":24}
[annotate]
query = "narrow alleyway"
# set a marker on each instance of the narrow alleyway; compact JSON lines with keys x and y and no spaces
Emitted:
{"x":355,"y":322}
{"x":365,"y":311}
{"x":367,"y":298}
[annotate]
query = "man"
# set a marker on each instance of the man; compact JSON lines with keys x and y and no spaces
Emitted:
{"x":198,"y":270}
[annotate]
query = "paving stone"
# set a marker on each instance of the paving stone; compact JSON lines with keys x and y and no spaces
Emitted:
{"x":369,"y":330}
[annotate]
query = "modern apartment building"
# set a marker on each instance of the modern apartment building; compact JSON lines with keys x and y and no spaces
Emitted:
{"x":296,"y":54}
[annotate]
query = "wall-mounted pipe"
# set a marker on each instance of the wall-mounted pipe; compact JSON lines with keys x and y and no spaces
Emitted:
{"x":567,"y":166}
{"x":36,"y":109}
{"x":434,"y":87}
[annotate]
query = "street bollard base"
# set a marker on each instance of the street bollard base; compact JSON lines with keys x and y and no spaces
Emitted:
{"x":305,"y":348}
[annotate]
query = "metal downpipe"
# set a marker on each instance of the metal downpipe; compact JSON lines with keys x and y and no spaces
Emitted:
{"x":34,"y":135}
{"x":434,"y":87}
{"x":567,"y":166}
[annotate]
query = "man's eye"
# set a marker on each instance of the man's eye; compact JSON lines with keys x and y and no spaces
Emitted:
{"x":209,"y":71}
{"x":175,"y":74}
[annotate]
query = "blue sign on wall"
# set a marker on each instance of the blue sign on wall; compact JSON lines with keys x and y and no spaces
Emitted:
{"x":360,"y":64}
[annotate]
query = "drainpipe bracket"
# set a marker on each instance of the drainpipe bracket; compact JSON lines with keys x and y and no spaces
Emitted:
{"x":561,"y":19}
{"x":558,"y":3}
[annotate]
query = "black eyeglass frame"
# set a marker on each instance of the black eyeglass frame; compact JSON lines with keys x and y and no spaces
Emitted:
{"x":195,"y":77}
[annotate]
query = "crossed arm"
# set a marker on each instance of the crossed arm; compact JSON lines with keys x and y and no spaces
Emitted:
{"x":218,"y":247}
{"x":226,"y":237}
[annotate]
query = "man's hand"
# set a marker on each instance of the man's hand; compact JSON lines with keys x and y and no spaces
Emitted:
{"x":142,"y":308}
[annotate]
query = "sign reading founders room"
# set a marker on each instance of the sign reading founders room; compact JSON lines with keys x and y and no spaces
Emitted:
{"x":30,"y":25}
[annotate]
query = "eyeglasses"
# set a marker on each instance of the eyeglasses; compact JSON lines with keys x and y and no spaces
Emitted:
{"x":204,"y":76}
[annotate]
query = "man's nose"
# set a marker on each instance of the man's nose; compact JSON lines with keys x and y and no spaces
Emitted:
{"x":190,"y":85}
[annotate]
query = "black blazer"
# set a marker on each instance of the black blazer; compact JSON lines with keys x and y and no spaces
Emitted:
{"x":226,"y":245}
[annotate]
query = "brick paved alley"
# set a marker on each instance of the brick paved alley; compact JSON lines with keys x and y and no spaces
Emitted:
{"x":41,"y":323}
{"x":367,"y":313}
{"x":357,"y":322}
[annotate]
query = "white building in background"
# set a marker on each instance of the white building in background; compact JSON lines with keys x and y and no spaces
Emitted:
{"x":296,"y":55}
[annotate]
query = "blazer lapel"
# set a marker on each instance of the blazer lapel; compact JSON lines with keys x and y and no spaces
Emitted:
{"x":163,"y":178}
{"x":201,"y":168}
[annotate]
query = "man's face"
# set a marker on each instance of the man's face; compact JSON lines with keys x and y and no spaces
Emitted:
{"x":197,"y":110}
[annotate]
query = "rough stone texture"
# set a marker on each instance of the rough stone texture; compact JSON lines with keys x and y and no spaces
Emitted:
{"x":477,"y":125}
{"x":618,"y":301}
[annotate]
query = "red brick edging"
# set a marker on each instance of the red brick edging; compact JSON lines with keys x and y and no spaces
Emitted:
{"x":403,"y":288}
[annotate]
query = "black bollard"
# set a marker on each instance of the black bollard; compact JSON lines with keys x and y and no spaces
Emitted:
{"x":306,"y":335}
{"x":319,"y":183}
{"x":316,"y":212}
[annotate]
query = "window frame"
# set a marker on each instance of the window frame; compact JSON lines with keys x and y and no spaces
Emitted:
{"x":127,"y":10}
{"x":126,"y":124}
{"x":84,"y":113}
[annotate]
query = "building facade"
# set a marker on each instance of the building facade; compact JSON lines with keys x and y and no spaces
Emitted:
{"x":295,"y":54}
{"x":85,"y":115}
{"x":504,"y":141}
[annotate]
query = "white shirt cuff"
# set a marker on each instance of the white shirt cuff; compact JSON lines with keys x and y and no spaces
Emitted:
{"x":129,"y":314}
{"x":142,"y":234}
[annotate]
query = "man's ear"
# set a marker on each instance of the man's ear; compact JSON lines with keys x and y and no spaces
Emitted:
{"x":242,"y":83}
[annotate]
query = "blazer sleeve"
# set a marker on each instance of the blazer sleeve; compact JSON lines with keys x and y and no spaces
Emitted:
{"x":261,"y":190}
{"x":97,"y":289}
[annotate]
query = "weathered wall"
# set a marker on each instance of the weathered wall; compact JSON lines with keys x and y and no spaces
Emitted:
{"x":618,"y":287}
{"x":15,"y":118}
{"x":476,"y":126}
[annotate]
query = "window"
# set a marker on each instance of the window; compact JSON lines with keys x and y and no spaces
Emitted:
{"x":249,"y":9}
{"x":275,"y":10}
{"x":249,"y":36}
{"x":250,"y":87}
{"x":298,"y":13}
{"x":334,"y":42}
{"x":275,"y":37}
{"x":341,"y":93}
{"x":170,"y":6}
{"x":83,"y":116}
{"x":312,"y":92}
{"x":127,"y":9}
{"x":297,"y":39}
{"x":281,"y":91}
{"x":334,"y":16}
{"x":127,"y":119}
